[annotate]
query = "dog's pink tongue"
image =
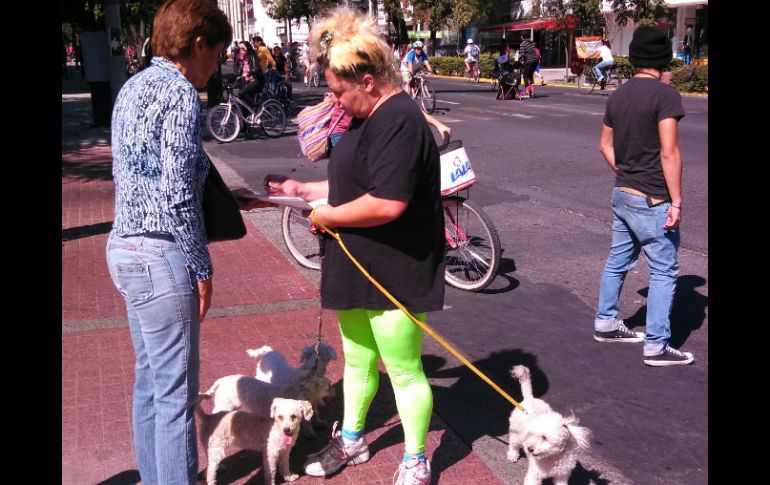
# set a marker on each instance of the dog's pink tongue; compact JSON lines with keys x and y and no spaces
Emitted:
{"x":287,"y":439}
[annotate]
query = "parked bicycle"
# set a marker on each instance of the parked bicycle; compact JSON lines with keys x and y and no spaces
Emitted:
{"x":473,"y":250}
{"x":225,"y":120}
{"x":587,"y":80}
{"x":421,"y":88}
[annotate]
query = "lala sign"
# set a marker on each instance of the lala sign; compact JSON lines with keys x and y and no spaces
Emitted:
{"x":456,"y":171}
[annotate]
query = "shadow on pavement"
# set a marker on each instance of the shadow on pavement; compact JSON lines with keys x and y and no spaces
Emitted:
{"x":126,"y":477}
{"x":85,"y":231}
{"x":688,"y":311}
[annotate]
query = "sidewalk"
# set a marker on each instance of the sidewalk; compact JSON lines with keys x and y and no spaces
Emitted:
{"x":259,"y":298}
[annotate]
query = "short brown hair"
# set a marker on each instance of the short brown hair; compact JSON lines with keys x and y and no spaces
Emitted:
{"x":178,"y":22}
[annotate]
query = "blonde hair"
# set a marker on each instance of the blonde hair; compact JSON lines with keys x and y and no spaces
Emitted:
{"x":349,"y":44}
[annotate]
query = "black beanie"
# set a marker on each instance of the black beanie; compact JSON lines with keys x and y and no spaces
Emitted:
{"x":649,"y":48}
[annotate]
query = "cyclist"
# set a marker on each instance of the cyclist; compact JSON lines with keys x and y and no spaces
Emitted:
{"x":281,"y":72}
{"x":412,"y":63}
{"x":247,"y":65}
{"x":472,"y":53}
{"x":606,"y":63}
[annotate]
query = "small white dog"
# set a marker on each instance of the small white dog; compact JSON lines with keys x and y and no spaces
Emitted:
{"x":272,"y":367}
{"x":274,"y":436}
{"x":550,"y":440}
{"x":246,"y":393}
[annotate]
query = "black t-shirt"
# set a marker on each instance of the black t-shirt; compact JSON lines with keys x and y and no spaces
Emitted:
{"x":633,"y":112}
{"x":390,"y":155}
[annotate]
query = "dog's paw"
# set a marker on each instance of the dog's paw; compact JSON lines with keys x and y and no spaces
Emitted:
{"x":291,"y":478}
{"x":513,"y":455}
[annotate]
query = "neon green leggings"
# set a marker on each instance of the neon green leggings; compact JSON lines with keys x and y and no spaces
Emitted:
{"x":391,"y":335}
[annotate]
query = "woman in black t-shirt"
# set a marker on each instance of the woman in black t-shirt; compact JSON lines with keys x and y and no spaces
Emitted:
{"x":384,"y":200}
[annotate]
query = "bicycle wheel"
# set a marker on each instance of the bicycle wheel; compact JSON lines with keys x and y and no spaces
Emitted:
{"x":301,"y":242}
{"x":494,"y":83}
{"x":223,"y":122}
{"x":428,"y":97}
{"x":476,"y":75}
{"x":272,"y":118}
{"x":473,"y":249}
{"x":282,"y":95}
{"x":316,"y":79}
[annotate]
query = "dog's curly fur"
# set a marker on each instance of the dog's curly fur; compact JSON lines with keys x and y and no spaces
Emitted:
{"x":274,"y":436}
{"x":550,"y":440}
{"x":246,"y":393}
{"x":272,"y":367}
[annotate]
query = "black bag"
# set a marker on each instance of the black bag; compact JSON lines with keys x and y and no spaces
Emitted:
{"x":221,"y":214}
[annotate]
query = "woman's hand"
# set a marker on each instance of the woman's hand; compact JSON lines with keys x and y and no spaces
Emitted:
{"x":205,"y":290}
{"x":276,"y":184}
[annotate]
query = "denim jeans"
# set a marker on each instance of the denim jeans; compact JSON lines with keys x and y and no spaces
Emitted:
{"x":162,"y":306}
{"x":599,"y":68}
{"x":637,"y":227}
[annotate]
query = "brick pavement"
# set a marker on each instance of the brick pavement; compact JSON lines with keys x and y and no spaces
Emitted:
{"x":259,"y":297}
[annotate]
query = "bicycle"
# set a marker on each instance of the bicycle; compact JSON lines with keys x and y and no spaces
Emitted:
{"x":276,"y":89}
{"x":587,"y":80}
{"x":225,"y":120}
{"x":472,"y":74}
{"x":473,"y":250}
{"x":421,"y":88}
{"x":314,"y":79}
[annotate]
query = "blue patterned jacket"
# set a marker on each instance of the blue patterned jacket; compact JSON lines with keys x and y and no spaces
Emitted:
{"x":159,"y":165}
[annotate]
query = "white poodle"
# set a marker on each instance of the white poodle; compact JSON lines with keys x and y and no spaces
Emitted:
{"x":272,"y":367}
{"x":550,"y":440}
{"x":274,"y":436}
{"x":240,"y":392}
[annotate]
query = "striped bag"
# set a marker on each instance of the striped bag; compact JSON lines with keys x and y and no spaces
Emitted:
{"x":315,"y":124}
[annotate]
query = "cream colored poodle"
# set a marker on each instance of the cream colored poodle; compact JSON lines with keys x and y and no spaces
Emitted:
{"x":550,"y":440}
{"x":273,"y":367}
{"x":274,"y":437}
{"x":246,"y":393}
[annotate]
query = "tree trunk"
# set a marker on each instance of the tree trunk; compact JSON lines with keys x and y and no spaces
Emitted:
{"x":432,"y":50}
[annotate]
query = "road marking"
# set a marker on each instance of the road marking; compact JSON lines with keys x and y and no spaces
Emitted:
{"x":448,"y":102}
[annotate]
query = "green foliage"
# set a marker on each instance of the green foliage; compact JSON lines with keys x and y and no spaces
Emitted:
{"x":586,"y":13}
{"x":622,"y":65}
{"x":296,"y":9}
{"x":455,"y":66}
{"x":691,"y":79}
{"x":642,"y":12}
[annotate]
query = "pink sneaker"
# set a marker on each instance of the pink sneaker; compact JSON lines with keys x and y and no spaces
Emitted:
{"x":413,"y":472}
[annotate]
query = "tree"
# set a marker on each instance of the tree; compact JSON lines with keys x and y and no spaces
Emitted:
{"x":445,"y":13}
{"x":296,"y":9}
{"x":641,"y":12}
{"x":583,"y":15}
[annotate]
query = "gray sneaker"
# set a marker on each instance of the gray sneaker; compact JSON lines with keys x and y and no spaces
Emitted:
{"x":413,"y":472}
{"x":336,"y":454}
{"x":670,"y":356}
{"x":622,"y":334}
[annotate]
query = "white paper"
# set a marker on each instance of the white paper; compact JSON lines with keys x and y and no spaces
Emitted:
{"x":296,"y":202}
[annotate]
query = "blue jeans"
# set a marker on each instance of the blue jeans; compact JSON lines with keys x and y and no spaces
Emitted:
{"x":162,"y":304}
{"x":599,"y":68}
{"x":637,"y":227}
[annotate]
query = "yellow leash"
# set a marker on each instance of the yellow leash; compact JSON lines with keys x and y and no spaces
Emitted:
{"x":422,"y":325}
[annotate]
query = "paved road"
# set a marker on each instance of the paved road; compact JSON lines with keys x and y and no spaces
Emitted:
{"x":546,"y":187}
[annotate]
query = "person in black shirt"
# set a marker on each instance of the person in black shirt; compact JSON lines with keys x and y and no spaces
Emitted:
{"x":384,"y":200}
{"x":639,"y":141}
{"x":527,"y":51}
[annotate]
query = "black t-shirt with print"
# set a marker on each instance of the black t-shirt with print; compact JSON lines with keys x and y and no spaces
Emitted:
{"x":390,"y":155}
{"x":633,"y":112}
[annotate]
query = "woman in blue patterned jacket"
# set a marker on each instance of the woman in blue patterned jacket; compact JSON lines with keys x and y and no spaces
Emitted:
{"x":156,"y":253}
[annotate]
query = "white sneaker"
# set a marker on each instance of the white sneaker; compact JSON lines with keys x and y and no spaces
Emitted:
{"x":413,"y":472}
{"x":336,"y":454}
